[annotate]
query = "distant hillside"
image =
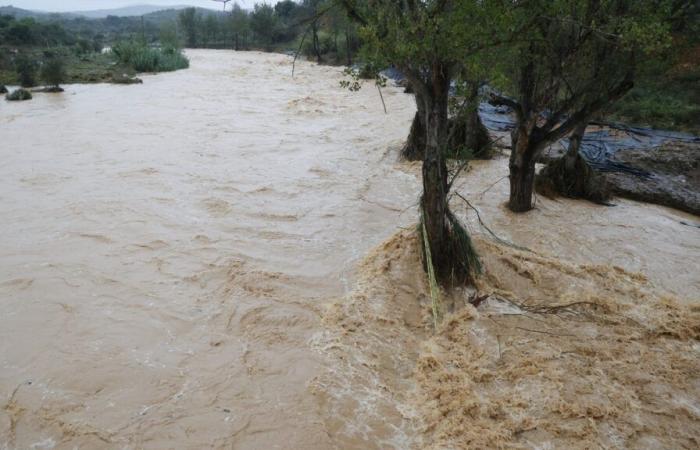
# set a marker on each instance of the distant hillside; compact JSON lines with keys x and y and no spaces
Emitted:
{"x":127,"y":11}
{"x":20,"y":13}
{"x":169,"y":15}
{"x":154,"y":13}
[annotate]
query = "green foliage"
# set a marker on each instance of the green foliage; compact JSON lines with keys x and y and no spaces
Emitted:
{"x":26,"y":68}
{"x":19,"y":95}
{"x":188,"y":20}
{"x":168,"y":36}
{"x":263,"y":22}
{"x":148,"y":59}
{"x":667,"y":101}
{"x":53,"y":71}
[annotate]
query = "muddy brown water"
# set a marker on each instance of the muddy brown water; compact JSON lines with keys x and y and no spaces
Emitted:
{"x":168,"y":251}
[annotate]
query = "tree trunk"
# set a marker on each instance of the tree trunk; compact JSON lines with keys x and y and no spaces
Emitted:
{"x":434,"y":201}
{"x":467,"y":132}
{"x":522,"y":170}
{"x":571,"y":175}
{"x":574,"y":146}
{"x":476,"y":137}
{"x":414,"y":149}
{"x":316,"y":44}
{"x":348,"y":50}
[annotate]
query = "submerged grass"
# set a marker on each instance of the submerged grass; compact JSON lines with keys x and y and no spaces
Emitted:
{"x":465,"y":261}
{"x":434,"y":288}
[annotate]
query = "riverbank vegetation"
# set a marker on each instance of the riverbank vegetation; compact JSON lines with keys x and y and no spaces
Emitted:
{"x":143,"y":58}
{"x":32,"y":50}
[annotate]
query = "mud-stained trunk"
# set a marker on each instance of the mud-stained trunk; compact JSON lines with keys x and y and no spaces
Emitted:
{"x":468,"y":135}
{"x":572,"y":176}
{"x":522,"y":171}
{"x":414,"y":148}
{"x":574,"y":146}
{"x":434,"y":201}
{"x":476,"y":136}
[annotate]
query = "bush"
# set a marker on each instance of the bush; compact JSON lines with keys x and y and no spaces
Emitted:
{"x":147,"y":59}
{"x":26,"y":70}
{"x":53,"y":72}
{"x":19,"y":95}
{"x":3,"y":89}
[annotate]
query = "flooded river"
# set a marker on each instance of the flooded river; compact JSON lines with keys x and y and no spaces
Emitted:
{"x":170,"y":250}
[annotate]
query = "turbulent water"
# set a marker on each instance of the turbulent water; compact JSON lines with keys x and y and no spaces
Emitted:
{"x":170,"y":250}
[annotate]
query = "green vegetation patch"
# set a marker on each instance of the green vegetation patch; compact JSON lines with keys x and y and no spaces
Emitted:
{"x":671,"y":101}
{"x":19,"y":95}
{"x":143,"y":58}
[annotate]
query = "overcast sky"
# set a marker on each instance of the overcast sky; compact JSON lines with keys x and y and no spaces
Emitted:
{"x":77,"y":5}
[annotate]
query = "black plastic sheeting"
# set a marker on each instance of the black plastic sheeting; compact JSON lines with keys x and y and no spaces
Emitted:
{"x":598,"y":147}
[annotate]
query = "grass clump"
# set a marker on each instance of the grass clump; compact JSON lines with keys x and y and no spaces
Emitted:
{"x":143,"y":58}
{"x":19,"y":95}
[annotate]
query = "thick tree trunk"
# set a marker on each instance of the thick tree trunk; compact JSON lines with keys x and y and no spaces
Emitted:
{"x":522,"y":170}
{"x":434,"y":201}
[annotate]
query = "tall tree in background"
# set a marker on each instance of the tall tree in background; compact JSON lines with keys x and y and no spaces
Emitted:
{"x":188,"y":20}
{"x":314,"y":14}
{"x":263,"y":22}
{"x":210,"y":28}
{"x":240,"y":24}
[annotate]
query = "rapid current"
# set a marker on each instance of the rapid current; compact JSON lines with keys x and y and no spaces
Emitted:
{"x":224,"y":257}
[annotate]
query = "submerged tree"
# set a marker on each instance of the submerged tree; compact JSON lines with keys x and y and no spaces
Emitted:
{"x":576,"y":58}
{"x":430,"y":42}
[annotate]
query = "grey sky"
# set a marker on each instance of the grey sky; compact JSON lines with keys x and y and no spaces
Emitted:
{"x":78,"y":5}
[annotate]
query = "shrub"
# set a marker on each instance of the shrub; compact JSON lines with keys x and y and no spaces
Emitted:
{"x":53,"y":72}
{"x":147,"y":59}
{"x":3,"y":89}
{"x":26,"y":70}
{"x":19,"y":95}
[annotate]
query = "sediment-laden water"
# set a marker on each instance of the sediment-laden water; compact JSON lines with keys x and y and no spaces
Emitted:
{"x":191,"y":263}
